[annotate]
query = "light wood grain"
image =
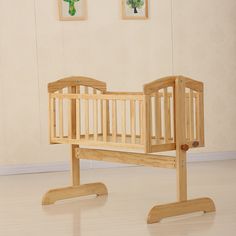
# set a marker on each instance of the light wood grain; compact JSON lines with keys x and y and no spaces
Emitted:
{"x":78,"y":115}
{"x":123,"y":121}
{"x":133,"y":121}
{"x":191,"y":115}
{"x":52,"y":117}
{"x":75,"y":166}
{"x":167,"y":116}
{"x":114,"y":120}
{"x":181,"y":169}
{"x":76,"y":81}
{"x":201,"y":119}
{"x":95,"y":116}
{"x":104,"y":120}
{"x":55,"y":195}
{"x":158,"y":121}
{"x":86,"y":113}
{"x":187,"y":117}
{"x":127,"y":157}
{"x":159,"y":212}
{"x":148,"y":123}
{"x":100,"y":96}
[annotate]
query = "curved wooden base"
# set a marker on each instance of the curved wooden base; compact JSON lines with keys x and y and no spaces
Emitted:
{"x":74,"y":191}
{"x":159,"y":212}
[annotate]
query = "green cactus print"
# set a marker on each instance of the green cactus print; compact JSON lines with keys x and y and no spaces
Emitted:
{"x":72,"y":9}
{"x":134,"y":4}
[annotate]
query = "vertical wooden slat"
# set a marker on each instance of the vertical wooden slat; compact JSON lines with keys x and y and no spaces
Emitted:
{"x":167,"y":116}
{"x":158,"y":129}
{"x":148,"y":123}
{"x":73,"y":113}
{"x":101,"y":107}
{"x":141,"y":129}
{"x":69,"y":115}
{"x":191,"y":115}
{"x":123,"y":135}
{"x":104,"y":115}
{"x":174,"y":114}
{"x":78,"y":115}
{"x":95,"y":116}
{"x":114,"y":120}
{"x":86,"y":112}
{"x":187,"y":117}
{"x":108,"y":117}
{"x":201,"y":118}
{"x":61,"y":128}
{"x":133,"y":121}
{"x":197,"y":115}
{"x":52,"y":117}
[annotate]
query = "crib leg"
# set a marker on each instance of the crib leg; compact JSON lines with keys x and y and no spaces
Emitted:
{"x":76,"y":190}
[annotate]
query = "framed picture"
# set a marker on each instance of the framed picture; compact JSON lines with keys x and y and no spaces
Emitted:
{"x":72,"y":9}
{"x":134,"y":9}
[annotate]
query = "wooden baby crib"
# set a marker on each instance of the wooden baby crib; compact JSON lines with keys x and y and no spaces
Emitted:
{"x":167,"y":115}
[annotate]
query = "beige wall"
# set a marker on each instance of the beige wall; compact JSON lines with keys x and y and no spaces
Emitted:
{"x":36,"y":48}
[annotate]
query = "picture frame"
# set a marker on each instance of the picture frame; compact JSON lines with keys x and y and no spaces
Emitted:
{"x":72,"y":10}
{"x":134,"y":9}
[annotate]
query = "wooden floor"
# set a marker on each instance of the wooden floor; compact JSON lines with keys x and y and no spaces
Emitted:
{"x":132,"y":192}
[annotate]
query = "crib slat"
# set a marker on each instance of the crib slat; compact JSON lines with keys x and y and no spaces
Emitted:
{"x":73,"y":114}
{"x":101,"y":107}
{"x":52,"y":116}
{"x":78,"y":116}
{"x":133,"y":121}
{"x":148,"y":123}
{"x":141,"y":122}
{"x":167,"y":116}
{"x":191,"y":115}
{"x":69,"y":115}
{"x":123,"y":136}
{"x":95,"y":116}
{"x":61,"y":128}
{"x":104,"y":124}
{"x":114,"y":120}
{"x":86,"y":110}
{"x":187,"y":116}
{"x":108,"y":117}
{"x":158,"y":129}
{"x":201,"y":118}
{"x":197,"y":117}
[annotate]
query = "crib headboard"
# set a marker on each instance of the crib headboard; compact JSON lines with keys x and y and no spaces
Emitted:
{"x":162,"y":97}
{"x":65,"y":109}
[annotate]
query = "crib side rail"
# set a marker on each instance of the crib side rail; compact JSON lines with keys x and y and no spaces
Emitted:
{"x":84,"y":115}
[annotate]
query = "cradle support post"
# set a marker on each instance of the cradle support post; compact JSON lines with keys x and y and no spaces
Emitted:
{"x":75,"y":166}
{"x":183,"y":205}
{"x":181,"y":169}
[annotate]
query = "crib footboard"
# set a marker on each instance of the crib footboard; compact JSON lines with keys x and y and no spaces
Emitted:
{"x":161,"y":98}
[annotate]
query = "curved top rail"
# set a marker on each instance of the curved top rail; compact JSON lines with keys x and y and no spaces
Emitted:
{"x":170,"y":81}
{"x":192,"y":84}
{"x":159,"y":84}
{"x":76,"y":81}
